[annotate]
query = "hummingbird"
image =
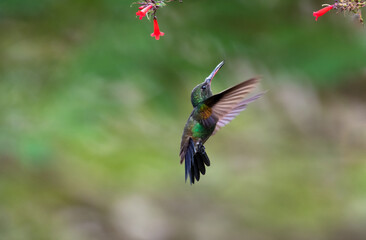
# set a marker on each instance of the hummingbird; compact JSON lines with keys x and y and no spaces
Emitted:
{"x":210,"y":113}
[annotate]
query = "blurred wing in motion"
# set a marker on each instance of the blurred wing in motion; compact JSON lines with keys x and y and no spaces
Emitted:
{"x":235,"y":112}
{"x":224,"y":103}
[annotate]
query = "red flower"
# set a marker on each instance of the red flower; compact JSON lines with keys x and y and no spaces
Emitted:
{"x":143,"y":12}
{"x":322,"y":11}
{"x":157,"y":32}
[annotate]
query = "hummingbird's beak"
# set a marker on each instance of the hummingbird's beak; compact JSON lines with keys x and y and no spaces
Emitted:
{"x":211,"y":76}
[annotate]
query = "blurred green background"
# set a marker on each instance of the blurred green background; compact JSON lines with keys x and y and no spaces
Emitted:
{"x":92,"y":110}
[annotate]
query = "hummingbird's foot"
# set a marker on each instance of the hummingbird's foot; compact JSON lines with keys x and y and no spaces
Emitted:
{"x":200,"y":147}
{"x":201,"y":151}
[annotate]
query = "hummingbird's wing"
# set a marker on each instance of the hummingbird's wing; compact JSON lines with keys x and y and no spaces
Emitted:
{"x":235,"y":112}
{"x":225,"y":102}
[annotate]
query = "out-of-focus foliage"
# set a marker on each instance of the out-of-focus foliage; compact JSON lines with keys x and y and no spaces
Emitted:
{"x":92,"y":109}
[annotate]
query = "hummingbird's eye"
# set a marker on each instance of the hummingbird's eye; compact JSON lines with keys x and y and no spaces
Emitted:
{"x":203,"y":87}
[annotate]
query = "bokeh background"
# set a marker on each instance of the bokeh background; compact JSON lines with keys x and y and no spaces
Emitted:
{"x":92,"y":110}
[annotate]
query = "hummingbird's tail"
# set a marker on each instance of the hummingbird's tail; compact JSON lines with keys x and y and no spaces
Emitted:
{"x":195,"y":161}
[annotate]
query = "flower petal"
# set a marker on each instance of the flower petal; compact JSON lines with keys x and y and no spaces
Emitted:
{"x":322,"y":11}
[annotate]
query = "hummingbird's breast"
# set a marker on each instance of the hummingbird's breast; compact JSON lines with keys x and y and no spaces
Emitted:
{"x":197,"y":131}
{"x":201,"y":132}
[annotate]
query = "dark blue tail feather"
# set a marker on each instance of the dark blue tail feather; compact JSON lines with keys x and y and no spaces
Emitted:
{"x":195,"y":162}
{"x":189,"y":160}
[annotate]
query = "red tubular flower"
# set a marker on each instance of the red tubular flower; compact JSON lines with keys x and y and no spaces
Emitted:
{"x":143,"y":12}
{"x":322,"y":11}
{"x":157,"y":32}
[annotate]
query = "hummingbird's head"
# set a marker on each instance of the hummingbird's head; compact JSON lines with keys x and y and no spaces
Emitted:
{"x":203,"y":91}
